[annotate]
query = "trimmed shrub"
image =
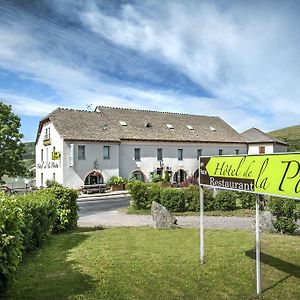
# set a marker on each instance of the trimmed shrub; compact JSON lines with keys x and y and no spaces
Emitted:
{"x":11,"y":238}
{"x":27,"y":220}
{"x":209,"y":200}
{"x":225,"y":200}
{"x":154,"y":191}
{"x":138,"y":192}
{"x":192,"y":198}
{"x":39,"y":216}
{"x":287,"y":212}
{"x":173,"y":199}
{"x":66,"y":208}
{"x":248,"y":200}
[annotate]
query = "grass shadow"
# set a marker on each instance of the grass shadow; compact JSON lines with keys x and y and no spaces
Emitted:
{"x":277,"y":263}
{"x":51,"y":271}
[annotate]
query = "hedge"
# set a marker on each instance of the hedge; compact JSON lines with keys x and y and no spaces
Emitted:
{"x":27,"y":220}
{"x":225,"y":200}
{"x":286,"y":212}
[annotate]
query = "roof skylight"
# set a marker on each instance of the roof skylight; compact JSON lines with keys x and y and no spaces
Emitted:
{"x":212,"y":128}
{"x":123,"y":123}
{"x":190,"y":127}
{"x":170,"y":126}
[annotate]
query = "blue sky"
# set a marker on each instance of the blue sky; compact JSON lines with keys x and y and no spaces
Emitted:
{"x":235,"y":59}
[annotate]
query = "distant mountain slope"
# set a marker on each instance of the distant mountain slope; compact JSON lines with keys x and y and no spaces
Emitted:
{"x":30,"y":151}
{"x":291,"y":135}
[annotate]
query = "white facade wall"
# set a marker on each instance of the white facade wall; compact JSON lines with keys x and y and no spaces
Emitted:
{"x":76,"y":172}
{"x":46,"y":168}
{"x":269,"y":148}
{"x":149,"y":162}
{"x":71,"y":171}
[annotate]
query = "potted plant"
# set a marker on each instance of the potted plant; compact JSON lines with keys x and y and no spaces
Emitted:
{"x":117,"y":183}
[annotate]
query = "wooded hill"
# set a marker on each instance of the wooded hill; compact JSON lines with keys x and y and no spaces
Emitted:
{"x":290,"y":135}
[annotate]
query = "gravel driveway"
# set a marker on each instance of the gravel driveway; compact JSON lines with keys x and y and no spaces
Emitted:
{"x":119,"y":218}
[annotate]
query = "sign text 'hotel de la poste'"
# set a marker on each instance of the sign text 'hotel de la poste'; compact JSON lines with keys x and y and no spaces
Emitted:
{"x":274,"y":174}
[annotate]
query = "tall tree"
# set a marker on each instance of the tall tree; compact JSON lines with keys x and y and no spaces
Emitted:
{"x":11,"y":147}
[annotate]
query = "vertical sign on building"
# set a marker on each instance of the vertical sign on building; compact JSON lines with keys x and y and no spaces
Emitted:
{"x":71,"y":155}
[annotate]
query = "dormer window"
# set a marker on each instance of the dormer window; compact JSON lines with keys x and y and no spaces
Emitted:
{"x":170,"y":126}
{"x":123,"y":123}
{"x":212,"y":128}
{"x":190,"y":127}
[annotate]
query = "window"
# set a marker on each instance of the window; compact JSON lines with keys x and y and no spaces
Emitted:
{"x":237,"y":151}
{"x":42,"y":155}
{"x":199,"y":153}
{"x":220,"y":151}
{"x":159,"y":154}
{"x":47,"y":155}
{"x":180,"y":154}
{"x":106,"y":154}
{"x":137,"y":153}
{"x":262,"y":149}
{"x":53,"y":177}
{"x":42,"y":179}
{"x":81,"y":152}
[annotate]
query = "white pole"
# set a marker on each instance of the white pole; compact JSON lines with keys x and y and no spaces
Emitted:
{"x":201,"y":227}
{"x":258,"y":288}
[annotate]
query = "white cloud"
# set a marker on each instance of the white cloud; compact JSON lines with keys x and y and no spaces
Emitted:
{"x":245,"y":55}
{"x":27,"y":106}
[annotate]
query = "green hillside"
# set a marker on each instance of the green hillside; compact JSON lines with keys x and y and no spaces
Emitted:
{"x":291,"y":135}
{"x":30,"y":151}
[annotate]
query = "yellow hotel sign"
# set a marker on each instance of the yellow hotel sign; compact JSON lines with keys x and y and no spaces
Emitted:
{"x":274,"y":174}
{"x":55,"y":155}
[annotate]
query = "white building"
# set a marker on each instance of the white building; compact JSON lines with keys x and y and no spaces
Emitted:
{"x":262,"y":143}
{"x":79,"y":147}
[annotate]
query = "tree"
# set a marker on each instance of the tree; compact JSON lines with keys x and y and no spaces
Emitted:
{"x":11,"y":148}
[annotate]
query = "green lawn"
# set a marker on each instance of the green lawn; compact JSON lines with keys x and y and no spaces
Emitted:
{"x":144,"y":263}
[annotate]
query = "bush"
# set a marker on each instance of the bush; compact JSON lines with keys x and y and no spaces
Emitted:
{"x":138,"y":192}
{"x":248,"y":200}
{"x":156,"y":178}
{"x":173,"y":199}
{"x":166,"y":178}
{"x":287,"y":212}
{"x":52,"y":183}
{"x":39,"y":216}
{"x":209,"y":200}
{"x":154,"y":191}
{"x":27,"y":220}
{"x":11,"y":238}
{"x":66,"y":208}
{"x":192,"y":198}
{"x":115,"y":180}
{"x":225,"y":200}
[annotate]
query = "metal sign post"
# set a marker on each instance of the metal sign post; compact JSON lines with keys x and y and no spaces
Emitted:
{"x":257,"y":242}
{"x":201,"y":226}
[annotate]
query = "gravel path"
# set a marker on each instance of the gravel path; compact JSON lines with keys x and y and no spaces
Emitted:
{"x":118,"y":218}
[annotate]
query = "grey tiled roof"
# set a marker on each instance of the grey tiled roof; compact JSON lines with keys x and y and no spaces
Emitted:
{"x":104,"y":124}
{"x":254,"y":135}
